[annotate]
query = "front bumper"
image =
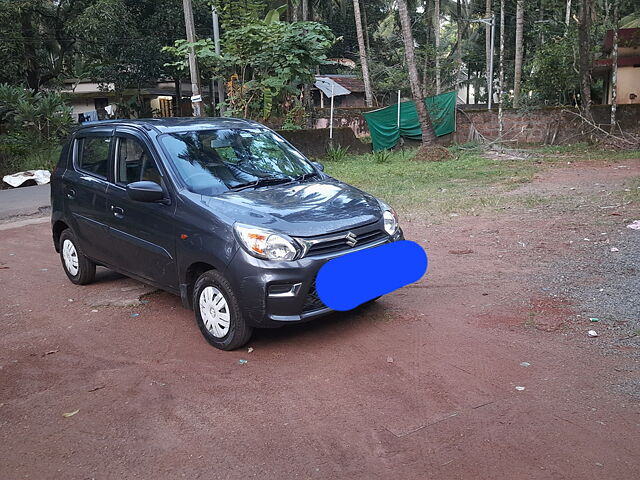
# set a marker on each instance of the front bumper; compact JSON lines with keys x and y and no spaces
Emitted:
{"x":272,"y":294}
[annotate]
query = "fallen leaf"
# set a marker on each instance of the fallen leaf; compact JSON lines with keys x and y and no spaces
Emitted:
{"x":70,"y":414}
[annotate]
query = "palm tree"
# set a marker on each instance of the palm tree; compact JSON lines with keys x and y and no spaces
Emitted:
{"x":501,"y":75}
{"x":584,"y":49}
{"x":517,"y":75}
{"x":487,"y":42}
{"x":436,"y":37}
{"x":614,"y":67}
{"x":428,"y":135}
{"x":363,"y":54}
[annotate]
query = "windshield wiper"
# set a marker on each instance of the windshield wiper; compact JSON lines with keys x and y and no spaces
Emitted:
{"x":303,"y":177}
{"x":260,"y":182}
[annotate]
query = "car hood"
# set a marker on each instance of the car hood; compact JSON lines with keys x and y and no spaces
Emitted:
{"x":300,"y":209}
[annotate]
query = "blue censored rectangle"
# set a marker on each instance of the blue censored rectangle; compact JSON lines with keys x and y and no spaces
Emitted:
{"x":345,"y":282}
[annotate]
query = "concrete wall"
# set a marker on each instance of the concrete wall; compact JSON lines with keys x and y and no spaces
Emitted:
{"x":81,"y":105}
{"x":315,"y":142}
{"x":343,"y":117}
{"x":628,"y":85}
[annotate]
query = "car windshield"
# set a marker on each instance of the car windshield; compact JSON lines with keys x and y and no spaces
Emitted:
{"x":215,"y":161}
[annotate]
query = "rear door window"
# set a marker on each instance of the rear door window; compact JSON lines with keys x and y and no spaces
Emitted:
{"x":93,"y":155}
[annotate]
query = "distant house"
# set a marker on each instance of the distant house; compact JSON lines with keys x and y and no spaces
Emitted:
{"x":91,"y":101}
{"x":355,"y":86}
{"x":628,"y":78}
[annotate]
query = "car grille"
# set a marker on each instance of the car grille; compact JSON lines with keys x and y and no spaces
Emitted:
{"x":312,"y":302}
{"x":346,"y":240}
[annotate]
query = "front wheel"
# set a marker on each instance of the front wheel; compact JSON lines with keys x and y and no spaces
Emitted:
{"x":218,"y":314}
{"x":78,"y":268}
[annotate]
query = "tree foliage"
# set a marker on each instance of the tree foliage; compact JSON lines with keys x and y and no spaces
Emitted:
{"x":264,"y":63}
{"x":119,"y":43}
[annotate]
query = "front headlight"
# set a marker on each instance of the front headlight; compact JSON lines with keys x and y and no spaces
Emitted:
{"x":390,"y":222}
{"x":266,"y":244}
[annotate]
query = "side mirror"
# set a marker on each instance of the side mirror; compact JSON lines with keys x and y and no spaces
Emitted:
{"x":318,"y":165}
{"x":145,"y":191}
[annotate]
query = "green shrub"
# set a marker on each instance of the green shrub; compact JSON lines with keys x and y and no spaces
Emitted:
{"x":32,"y":126}
{"x":337,"y":154}
{"x":383,"y":156}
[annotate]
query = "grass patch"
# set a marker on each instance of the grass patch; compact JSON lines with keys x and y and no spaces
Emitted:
{"x":464,"y":184}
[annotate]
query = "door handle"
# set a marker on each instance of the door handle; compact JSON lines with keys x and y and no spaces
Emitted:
{"x":71,"y":194}
{"x":117,"y":211}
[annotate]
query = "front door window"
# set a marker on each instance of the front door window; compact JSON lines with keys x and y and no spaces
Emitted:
{"x":134,"y":163}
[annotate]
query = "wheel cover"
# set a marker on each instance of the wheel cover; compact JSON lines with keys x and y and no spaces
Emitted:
{"x":70,"y":257}
{"x":214,"y":311}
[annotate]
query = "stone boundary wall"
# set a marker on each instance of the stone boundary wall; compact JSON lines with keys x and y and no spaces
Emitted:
{"x":544,"y":125}
{"x":553,"y":125}
{"x":557,"y":125}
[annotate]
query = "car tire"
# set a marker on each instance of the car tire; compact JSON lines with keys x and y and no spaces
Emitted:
{"x":78,"y":268}
{"x":218,"y":314}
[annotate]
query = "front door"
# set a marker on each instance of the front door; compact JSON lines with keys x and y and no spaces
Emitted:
{"x":142,"y":234}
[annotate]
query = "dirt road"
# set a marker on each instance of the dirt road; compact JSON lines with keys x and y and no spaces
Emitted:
{"x":481,"y":370}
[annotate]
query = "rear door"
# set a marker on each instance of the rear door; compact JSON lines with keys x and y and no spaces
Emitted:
{"x":85,"y":189}
{"x":142,"y":235}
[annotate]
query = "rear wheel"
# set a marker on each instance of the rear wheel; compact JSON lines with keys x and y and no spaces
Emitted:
{"x":218,"y":314}
{"x":78,"y":268}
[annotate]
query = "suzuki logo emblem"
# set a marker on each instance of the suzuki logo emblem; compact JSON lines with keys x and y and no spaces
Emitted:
{"x":351,"y":239}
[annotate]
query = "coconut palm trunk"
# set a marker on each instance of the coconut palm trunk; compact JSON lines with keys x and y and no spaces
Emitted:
{"x":428,"y":135}
{"x":306,"y":88}
{"x":517,"y":75}
{"x":614,"y":68}
{"x":584,"y":49}
{"x":567,"y":17}
{"x":363,"y":54}
{"x":501,"y":75}
{"x":436,"y":37}
{"x":487,"y":42}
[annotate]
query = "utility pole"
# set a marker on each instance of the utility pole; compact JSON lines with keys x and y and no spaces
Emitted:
{"x":196,"y":95}
{"x":216,"y":44}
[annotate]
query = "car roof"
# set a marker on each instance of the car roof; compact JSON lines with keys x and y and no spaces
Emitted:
{"x":176,"y":124}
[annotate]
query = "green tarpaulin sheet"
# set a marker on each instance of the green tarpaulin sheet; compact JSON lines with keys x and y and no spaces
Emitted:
{"x":383,"y":123}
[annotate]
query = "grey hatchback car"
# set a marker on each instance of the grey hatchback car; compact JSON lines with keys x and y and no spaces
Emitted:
{"x":223,"y":212}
